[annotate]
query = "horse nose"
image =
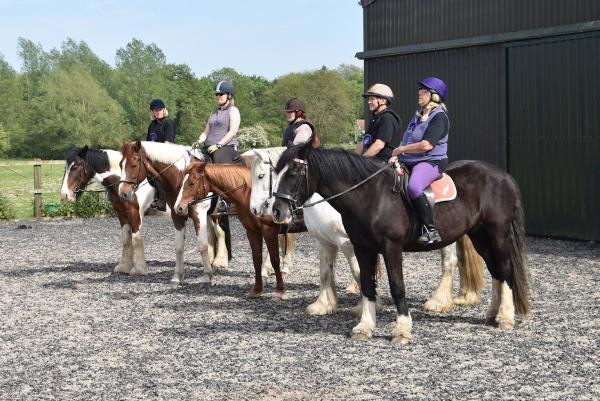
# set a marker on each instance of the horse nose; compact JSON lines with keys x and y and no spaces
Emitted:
{"x":277,"y":214}
{"x":180,"y":210}
{"x":254,"y":211}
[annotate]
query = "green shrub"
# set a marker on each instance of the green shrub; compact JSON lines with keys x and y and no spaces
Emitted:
{"x":6,"y":209}
{"x":90,"y":204}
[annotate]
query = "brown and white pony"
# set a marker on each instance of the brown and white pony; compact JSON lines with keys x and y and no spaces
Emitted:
{"x":233,"y":182}
{"x":165,"y":163}
{"x":83,"y":164}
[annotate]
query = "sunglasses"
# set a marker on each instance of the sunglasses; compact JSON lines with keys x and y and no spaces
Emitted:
{"x":219,"y":94}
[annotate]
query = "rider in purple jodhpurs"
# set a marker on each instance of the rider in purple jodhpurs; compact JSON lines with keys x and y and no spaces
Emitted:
{"x":424,"y":150}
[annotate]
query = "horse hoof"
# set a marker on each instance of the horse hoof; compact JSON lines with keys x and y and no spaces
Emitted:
{"x":122,"y":269}
{"x":400,"y":340}
{"x":277,"y":296}
{"x":506,"y":326}
{"x":360,"y":337}
{"x":175,"y":280}
{"x":353,"y":289}
{"x":254,"y":294}
{"x":435,"y":306}
{"x":138,"y":272}
{"x":467,"y":299}
{"x":317,"y":309}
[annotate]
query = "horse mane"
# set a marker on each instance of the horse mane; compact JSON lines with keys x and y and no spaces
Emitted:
{"x":229,"y":175}
{"x":264,"y":154}
{"x":96,"y":159}
{"x":332,"y":164}
{"x":178,"y":155}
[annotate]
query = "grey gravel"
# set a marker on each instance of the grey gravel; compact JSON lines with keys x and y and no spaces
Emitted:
{"x":71,"y":329}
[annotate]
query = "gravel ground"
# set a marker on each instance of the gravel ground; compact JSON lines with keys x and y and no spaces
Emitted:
{"x":71,"y":329}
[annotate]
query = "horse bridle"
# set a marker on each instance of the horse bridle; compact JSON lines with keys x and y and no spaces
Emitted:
{"x":136,"y":183}
{"x":293,"y":201}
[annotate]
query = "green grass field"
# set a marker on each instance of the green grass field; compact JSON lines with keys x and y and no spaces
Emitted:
{"x":16,"y":184}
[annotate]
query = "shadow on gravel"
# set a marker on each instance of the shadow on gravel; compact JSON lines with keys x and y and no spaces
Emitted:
{"x":77,"y":267}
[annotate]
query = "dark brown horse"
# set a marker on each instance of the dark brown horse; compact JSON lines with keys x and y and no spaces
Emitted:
{"x":165,"y":163}
{"x":234,"y":183}
{"x":378,"y":220}
{"x":83,"y":164}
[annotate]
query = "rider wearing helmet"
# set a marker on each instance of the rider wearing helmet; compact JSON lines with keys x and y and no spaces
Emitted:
{"x":219,"y":135}
{"x":161,"y":129}
{"x":300,"y":129}
{"x":424,"y":150}
{"x":382,"y":135}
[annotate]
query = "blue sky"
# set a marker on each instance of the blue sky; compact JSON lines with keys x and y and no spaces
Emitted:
{"x":263,"y":37}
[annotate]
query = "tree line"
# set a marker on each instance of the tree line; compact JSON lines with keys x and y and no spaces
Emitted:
{"x":70,"y":96}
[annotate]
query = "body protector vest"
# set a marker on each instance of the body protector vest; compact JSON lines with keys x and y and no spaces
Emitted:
{"x":414,"y":134}
{"x":290,"y":133}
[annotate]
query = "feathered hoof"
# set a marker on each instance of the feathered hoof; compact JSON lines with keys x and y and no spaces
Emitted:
{"x":400,"y":340}
{"x":360,"y":337}
{"x":467,"y":299}
{"x":278,"y":296}
{"x":254,"y":294}
{"x":122,"y":269}
{"x":506,"y":326}
{"x":353,"y":289}
{"x":436,"y":306}
{"x":176,"y":280}
{"x":318,"y":309}
{"x":139,"y":271}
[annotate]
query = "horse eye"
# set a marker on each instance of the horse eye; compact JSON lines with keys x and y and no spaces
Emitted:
{"x":261,"y":176}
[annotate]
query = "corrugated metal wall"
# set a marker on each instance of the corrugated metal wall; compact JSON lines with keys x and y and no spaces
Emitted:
{"x":554,"y":133}
{"x":475,"y":80}
{"x":529,"y":106}
{"x":392,"y":23}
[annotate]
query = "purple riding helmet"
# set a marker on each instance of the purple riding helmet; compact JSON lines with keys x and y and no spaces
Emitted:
{"x":435,"y":85}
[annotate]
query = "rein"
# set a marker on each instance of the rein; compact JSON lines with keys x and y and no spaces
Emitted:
{"x":293,"y":201}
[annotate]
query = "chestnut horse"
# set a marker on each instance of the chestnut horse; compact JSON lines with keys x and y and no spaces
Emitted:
{"x":83,"y":164}
{"x":379,"y":221}
{"x":233,"y":182}
{"x":165,"y":163}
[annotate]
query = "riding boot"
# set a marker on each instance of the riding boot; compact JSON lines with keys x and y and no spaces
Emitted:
{"x":429,"y":233}
{"x":160,"y":201}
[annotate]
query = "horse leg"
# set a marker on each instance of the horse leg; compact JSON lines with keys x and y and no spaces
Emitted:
{"x":270,"y":235}
{"x":393,"y":263}
{"x":348,"y":250}
{"x":204,"y":235}
{"x":179,"y":273}
{"x":441,"y":299}
{"x":326,"y":302}
{"x":139,"y":259}
{"x":221,"y":260}
{"x":267,"y":267}
{"x":286,"y":247}
{"x":126,"y":262}
{"x":364,"y":329}
{"x":471,"y":269}
{"x":255,"y":240}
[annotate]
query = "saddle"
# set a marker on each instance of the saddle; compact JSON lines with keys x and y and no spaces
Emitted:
{"x":441,"y":190}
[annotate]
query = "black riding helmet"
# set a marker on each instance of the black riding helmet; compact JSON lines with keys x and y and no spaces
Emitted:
{"x":225,"y":87}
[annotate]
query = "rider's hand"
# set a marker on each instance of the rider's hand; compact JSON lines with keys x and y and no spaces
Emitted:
{"x":393,"y":159}
{"x":197,"y":144}
{"x":396,"y":152}
{"x":212,"y":149}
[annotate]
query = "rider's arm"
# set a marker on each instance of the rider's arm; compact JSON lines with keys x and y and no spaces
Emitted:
{"x":202,"y":137}
{"x":375,"y":148}
{"x":169,"y":131}
{"x":234,"y":125}
{"x":359,"y":148}
{"x":303,"y":134}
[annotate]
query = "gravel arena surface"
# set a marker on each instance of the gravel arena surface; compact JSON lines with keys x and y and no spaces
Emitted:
{"x":72,"y":329}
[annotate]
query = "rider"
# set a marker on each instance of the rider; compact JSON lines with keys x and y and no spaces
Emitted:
{"x":424,"y":150}
{"x":219,"y":135}
{"x":382,"y":135}
{"x":300,"y":129}
{"x":161,"y":129}
{"x":220,"y":142}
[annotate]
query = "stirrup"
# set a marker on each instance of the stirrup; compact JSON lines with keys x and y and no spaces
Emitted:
{"x":429,"y":236}
{"x":222,"y":206}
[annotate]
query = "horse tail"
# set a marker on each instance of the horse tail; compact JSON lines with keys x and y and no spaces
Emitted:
{"x":520,"y":286}
{"x":471,"y":266}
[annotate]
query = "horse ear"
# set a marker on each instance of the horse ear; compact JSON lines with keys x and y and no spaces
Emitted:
{"x":82,"y":152}
{"x":137,"y":145}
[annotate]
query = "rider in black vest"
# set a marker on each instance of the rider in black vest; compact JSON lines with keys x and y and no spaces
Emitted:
{"x":161,"y":129}
{"x":383,"y":133}
{"x":300,"y":129}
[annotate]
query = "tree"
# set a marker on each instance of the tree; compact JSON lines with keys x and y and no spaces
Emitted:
{"x":253,"y":137}
{"x":141,"y":76}
{"x":4,"y":142}
{"x":35,"y":64}
{"x":327,"y":103}
{"x":73,"y":109}
{"x":13,"y":118}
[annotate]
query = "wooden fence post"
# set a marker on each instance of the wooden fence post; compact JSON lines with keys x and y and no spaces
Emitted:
{"x":37,"y":188}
